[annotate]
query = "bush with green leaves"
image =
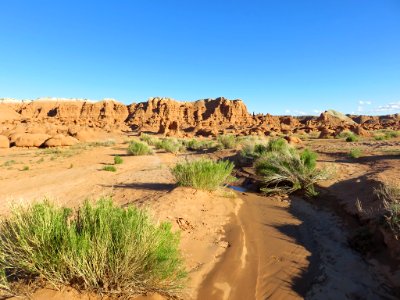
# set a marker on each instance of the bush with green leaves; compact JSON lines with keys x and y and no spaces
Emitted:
{"x":227,"y":141}
{"x":118,"y":160}
{"x":389,"y":194}
{"x":253,"y":151}
{"x":352,"y":138}
{"x":139,"y":148}
{"x":355,"y":153}
{"x":109,"y":168}
{"x":197,"y":145}
{"x":152,"y":141}
{"x":100,"y":248}
{"x":170,"y":145}
{"x":288,"y":170}
{"x":204,"y":174}
{"x":386,"y":135}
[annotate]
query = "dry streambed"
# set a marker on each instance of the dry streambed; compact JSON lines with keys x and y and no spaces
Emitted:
{"x":247,"y":247}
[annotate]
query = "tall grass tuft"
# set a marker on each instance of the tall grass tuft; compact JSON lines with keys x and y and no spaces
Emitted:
{"x":138,"y":148}
{"x":203,"y":174}
{"x":100,"y":247}
{"x":389,"y":193}
{"x":196,"y":145}
{"x":170,"y":145}
{"x":227,"y":141}
{"x":289,"y":170}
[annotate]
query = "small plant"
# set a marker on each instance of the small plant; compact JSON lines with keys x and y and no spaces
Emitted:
{"x":9,"y":163}
{"x":389,"y":193}
{"x":227,"y":141}
{"x":152,"y":141}
{"x":355,"y":153}
{"x":25,"y":168}
{"x":109,"y":168}
{"x":287,"y":171}
{"x":118,"y":160}
{"x":169,"y":145}
{"x":138,"y":148}
{"x":196,"y":145}
{"x":352,"y":138}
{"x":203,"y":174}
{"x":100,"y":247}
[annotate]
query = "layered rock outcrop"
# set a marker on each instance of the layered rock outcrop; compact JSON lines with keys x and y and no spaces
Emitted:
{"x":58,"y":122}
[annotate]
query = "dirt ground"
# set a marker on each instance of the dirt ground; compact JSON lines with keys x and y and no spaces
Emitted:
{"x":237,"y":245}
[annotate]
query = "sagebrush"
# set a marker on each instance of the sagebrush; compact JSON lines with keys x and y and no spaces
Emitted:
{"x":287,"y":170}
{"x":100,"y":247}
{"x":203,"y":174}
{"x":139,"y":148}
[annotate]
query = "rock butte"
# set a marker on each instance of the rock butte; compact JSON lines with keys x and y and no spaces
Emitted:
{"x":50,"y":122}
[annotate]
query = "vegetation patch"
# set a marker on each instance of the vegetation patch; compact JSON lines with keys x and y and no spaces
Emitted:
{"x":355,"y":153}
{"x":227,"y":141}
{"x":152,"y":141}
{"x":100,"y":247}
{"x":204,"y":174}
{"x":138,"y":148}
{"x":109,"y":168}
{"x":170,"y":145}
{"x":352,"y":138}
{"x":198,"y":145}
{"x":118,"y":160}
{"x":287,"y":170}
{"x":389,"y":194}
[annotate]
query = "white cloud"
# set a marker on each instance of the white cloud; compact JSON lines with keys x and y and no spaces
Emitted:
{"x":390,"y":107}
{"x":287,"y":111}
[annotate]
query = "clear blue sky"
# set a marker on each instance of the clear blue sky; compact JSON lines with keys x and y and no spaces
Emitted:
{"x":294,"y":56}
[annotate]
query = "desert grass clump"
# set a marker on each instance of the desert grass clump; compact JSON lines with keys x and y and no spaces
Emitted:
{"x":204,"y":174}
{"x":355,"y":153}
{"x":109,"y":168}
{"x":351,"y":137}
{"x":139,"y":148}
{"x":170,"y":145}
{"x":152,"y":141}
{"x":289,"y":170}
{"x":99,"y":248}
{"x":227,"y":141}
{"x":198,"y":145}
{"x":389,"y":194}
{"x":118,"y":160}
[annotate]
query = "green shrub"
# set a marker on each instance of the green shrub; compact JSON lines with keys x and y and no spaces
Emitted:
{"x":254,"y":151}
{"x":203,"y":174}
{"x":287,"y":171}
{"x":152,"y":141}
{"x":352,"y":138}
{"x":138,"y":148}
{"x":355,"y":153}
{"x":109,"y":168}
{"x":118,"y":160}
{"x":101,"y":248}
{"x":196,"y":145}
{"x":169,"y":145}
{"x":389,"y":193}
{"x":228,"y":141}
{"x":277,"y":145}
{"x":25,"y":168}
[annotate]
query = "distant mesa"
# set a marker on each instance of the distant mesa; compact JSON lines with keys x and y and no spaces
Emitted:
{"x":49,"y":122}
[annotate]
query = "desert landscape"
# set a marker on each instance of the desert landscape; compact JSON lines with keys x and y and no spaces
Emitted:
{"x":225,"y":204}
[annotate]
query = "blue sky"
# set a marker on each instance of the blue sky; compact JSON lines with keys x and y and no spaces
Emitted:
{"x":282,"y":56}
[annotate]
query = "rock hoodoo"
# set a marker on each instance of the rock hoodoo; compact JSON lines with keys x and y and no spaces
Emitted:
{"x":57,"y":122}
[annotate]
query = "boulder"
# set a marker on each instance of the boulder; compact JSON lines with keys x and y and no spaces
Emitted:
{"x":31,"y":139}
{"x":60,"y":140}
{"x":4,"y":142}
